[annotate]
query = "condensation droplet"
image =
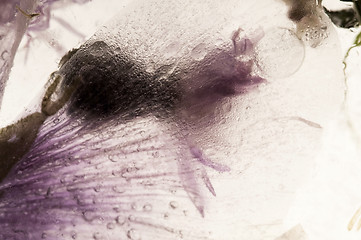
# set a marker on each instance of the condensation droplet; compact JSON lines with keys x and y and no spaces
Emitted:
{"x":43,"y":236}
{"x":173,"y":204}
{"x":133,"y":234}
{"x":199,"y":52}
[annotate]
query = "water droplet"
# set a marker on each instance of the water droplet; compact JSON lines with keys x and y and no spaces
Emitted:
{"x":96,"y":200}
{"x":151,"y":67}
{"x":98,"y":48}
{"x":43,"y":236}
{"x":147,"y":207}
{"x":155,"y":154}
{"x":118,"y":189}
{"x":120,"y":220}
{"x":73,"y":235}
{"x":172,"y":49}
{"x":98,"y":236}
{"x":5,"y":55}
{"x":135,"y":206}
{"x":128,"y":172}
{"x":97,"y":188}
{"x":173,"y":204}
{"x":199,"y":52}
{"x":99,"y":220}
{"x":81,"y":201}
{"x":117,"y":209}
{"x":99,"y":166}
{"x":113,"y":158}
{"x":110,"y":225}
{"x":133,"y":234}
{"x":88,"y":216}
{"x":166,"y":216}
{"x":131,"y":218}
{"x":226,"y":107}
{"x":219,"y":42}
{"x":117,"y":50}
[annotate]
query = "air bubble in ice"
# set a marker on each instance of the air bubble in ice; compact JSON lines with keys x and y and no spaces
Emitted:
{"x":279,"y":53}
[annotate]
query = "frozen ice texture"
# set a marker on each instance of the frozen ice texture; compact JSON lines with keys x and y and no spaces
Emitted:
{"x":160,"y":127}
